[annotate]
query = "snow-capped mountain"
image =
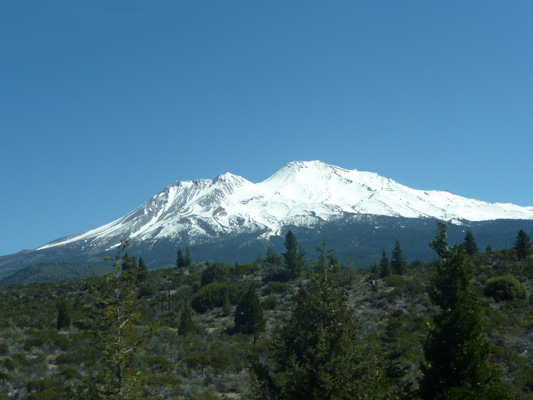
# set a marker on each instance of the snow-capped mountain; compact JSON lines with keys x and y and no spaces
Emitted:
{"x":300,"y":194}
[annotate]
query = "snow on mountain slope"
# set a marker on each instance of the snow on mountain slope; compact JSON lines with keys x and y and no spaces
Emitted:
{"x":301,"y":193}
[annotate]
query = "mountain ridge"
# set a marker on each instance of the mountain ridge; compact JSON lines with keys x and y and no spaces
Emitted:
{"x":311,"y":196}
{"x":300,"y":193}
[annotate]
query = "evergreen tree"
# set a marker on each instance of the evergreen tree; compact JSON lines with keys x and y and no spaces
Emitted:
{"x":456,"y":352}
{"x":294,"y":257}
{"x":522,"y":245}
{"x":63,"y":314}
{"x":326,"y":259}
{"x":249,"y":313}
{"x":272,"y":257}
{"x":180,"y":261}
{"x":186,"y":320}
{"x":384,"y":265}
{"x":119,"y":340}
{"x":316,"y":353}
{"x":188,"y":261}
{"x":396,"y":368}
{"x":129,"y":263}
{"x":143,"y":270}
{"x":226,"y":306}
{"x":440,"y":243}
{"x":398,"y":263}
{"x":470,"y":244}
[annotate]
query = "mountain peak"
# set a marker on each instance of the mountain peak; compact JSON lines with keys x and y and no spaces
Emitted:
{"x":301,"y":193}
{"x":315,"y":165}
{"x":306,"y":164}
{"x":228,"y":177}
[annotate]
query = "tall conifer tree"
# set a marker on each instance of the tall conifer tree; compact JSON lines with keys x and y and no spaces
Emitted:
{"x":249,"y":313}
{"x":186,"y":320}
{"x":180,"y":261}
{"x":317,"y":355}
{"x":384,"y":265}
{"x":143,"y":270}
{"x":188,"y":261}
{"x":456,"y":352}
{"x":398,"y":263}
{"x":294,"y":256}
{"x":63,"y":314}
{"x":470,"y":244}
{"x":522,"y":245}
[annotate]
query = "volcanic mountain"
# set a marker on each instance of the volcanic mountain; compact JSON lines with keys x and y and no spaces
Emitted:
{"x":312,"y":196}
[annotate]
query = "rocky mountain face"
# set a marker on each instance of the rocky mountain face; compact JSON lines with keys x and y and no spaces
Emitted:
{"x":231,"y":211}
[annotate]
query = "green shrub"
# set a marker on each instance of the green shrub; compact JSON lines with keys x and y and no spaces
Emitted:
{"x":51,"y":337}
{"x":158,"y":363}
{"x":4,"y":377}
{"x":270,"y":303}
{"x":277,"y":287}
{"x":240,"y":270}
{"x":214,"y":295}
{"x":215,"y":273}
{"x":44,"y":389}
{"x":214,"y":358}
{"x":48,"y":394}
{"x":81,"y":354}
{"x":39,"y":385}
{"x":9,"y":364}
{"x":68,"y":373}
{"x":147,"y":289}
{"x":391,"y":296}
{"x":203,"y":396}
{"x":276,"y":273}
{"x":394,"y":281}
{"x":505,"y":288}
{"x":19,"y":359}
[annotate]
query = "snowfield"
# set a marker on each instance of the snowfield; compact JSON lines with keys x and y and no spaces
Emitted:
{"x":301,"y":193}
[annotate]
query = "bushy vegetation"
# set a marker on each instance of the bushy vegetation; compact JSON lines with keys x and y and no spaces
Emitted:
{"x":505,"y":288}
{"x":275,"y":328}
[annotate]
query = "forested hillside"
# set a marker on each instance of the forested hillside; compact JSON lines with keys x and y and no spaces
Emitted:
{"x":284,"y":326}
{"x":53,"y":272}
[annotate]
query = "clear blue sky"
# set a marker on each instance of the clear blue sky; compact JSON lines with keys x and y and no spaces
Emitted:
{"x":104,"y":103}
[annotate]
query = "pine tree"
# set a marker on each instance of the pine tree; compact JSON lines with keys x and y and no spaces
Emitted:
{"x":384,"y":265}
{"x":188,"y":261}
{"x":396,"y":368}
{"x":129,"y":263}
{"x":63,"y":314}
{"x":522,"y":245}
{"x":249,"y":314}
{"x":317,"y":355}
{"x":272,"y":257}
{"x":118,"y":340}
{"x":470,"y":244}
{"x":456,"y":352}
{"x":180,"y":261}
{"x":326,"y":259}
{"x":440,"y":243}
{"x":294,"y":257}
{"x":398,"y":263}
{"x":143,"y":270}
{"x":226,"y":306}
{"x":186,"y":320}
